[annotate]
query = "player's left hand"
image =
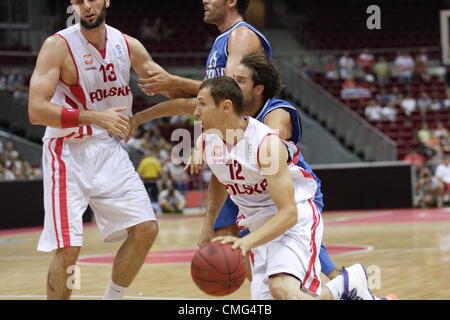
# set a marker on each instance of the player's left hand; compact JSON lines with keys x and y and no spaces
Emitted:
{"x":158,"y":81}
{"x":240,"y":243}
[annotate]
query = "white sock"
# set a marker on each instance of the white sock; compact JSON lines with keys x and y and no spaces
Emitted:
{"x":114,"y":292}
{"x":336,"y":287}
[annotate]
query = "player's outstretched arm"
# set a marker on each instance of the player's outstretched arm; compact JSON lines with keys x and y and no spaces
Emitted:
{"x":154,"y":79}
{"x":241,"y":42}
{"x":167,"y":108}
{"x":43,"y":85}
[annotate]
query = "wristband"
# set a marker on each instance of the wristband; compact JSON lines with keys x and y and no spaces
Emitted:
{"x":69,"y":118}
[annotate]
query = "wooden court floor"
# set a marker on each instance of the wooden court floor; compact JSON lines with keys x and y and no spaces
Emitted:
{"x":407,"y":252}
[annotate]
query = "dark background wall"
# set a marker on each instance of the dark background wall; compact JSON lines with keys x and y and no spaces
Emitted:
{"x":23,"y":204}
{"x":369,"y":186}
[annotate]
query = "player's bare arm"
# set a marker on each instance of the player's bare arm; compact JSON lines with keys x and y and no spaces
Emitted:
{"x":54,"y":63}
{"x":217,"y":195}
{"x":167,"y":108}
{"x":241,"y":42}
{"x":280,"y":120}
{"x":273,"y":160}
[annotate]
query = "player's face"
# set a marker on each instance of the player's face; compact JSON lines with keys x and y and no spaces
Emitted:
{"x":244,"y":78}
{"x":207,"y":111}
{"x":215,"y":10}
{"x":92,"y":12}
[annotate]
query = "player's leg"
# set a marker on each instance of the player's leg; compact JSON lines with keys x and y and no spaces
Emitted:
{"x":64,"y":203}
{"x":133,"y":251}
{"x":57,"y":288}
{"x":123,"y":211}
{"x":327,"y":266}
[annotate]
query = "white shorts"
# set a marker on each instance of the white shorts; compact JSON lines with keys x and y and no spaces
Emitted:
{"x":296,"y":252}
{"x":97,"y":172}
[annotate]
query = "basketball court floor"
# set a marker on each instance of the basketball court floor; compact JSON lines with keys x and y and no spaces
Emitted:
{"x":406,"y":252}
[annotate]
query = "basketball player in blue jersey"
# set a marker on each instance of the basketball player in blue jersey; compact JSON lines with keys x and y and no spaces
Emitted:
{"x":260,"y":81}
{"x":237,"y":38}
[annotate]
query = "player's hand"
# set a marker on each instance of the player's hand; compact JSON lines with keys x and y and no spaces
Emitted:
{"x":195,"y":162}
{"x":240,"y":243}
{"x":133,"y":128}
{"x":158,"y":81}
{"x":113,"y":121}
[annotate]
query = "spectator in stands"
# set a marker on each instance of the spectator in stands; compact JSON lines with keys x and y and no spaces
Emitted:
{"x":404,"y":67}
{"x":349,"y":83}
{"x":396,"y":95}
{"x":346,"y":65}
{"x":157,"y":32}
{"x":424,"y":133}
{"x":150,"y":171}
{"x":442,"y":173}
{"x":436,"y":105}
{"x":408,"y":105}
{"x":206,"y":174}
{"x":373,"y":111}
{"x":384,"y":98}
{"x":365,"y":61}
{"x":389,"y":112}
{"x":175,"y":172}
{"x":7,"y":174}
{"x":441,"y":131}
{"x":415,"y":158}
{"x":382,"y":71}
{"x":171,"y":200}
{"x":422,"y":65}
{"x":423,"y":103}
{"x":426,"y":189}
{"x":331,"y":72}
{"x":434,"y":143}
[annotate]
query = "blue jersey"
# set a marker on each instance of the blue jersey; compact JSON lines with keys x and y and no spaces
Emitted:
{"x":218,"y":56}
{"x":273,"y":104}
{"x":228,"y":214}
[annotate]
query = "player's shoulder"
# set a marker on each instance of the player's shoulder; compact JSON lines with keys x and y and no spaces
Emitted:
{"x":243,"y":31}
{"x":55,"y":45}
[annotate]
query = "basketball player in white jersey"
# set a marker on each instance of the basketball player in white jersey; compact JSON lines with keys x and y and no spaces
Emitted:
{"x":79,"y":90}
{"x":275,"y":199}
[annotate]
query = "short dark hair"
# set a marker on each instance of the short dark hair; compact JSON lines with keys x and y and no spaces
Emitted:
{"x":265,"y":72}
{"x":225,"y":88}
{"x":242,"y":6}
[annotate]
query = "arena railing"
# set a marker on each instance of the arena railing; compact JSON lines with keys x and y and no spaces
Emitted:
{"x":337,"y":117}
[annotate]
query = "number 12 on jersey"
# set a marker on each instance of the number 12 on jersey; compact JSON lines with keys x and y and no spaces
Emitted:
{"x":235,"y":170}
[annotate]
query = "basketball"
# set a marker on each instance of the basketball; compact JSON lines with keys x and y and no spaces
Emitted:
{"x":217,"y":269}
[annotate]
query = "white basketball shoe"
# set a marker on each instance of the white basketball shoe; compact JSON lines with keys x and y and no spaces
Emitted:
{"x":356,"y":286}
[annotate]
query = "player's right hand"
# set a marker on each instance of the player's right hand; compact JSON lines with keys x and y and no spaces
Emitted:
{"x":195,"y":162}
{"x":158,"y":81}
{"x":114,"y":122}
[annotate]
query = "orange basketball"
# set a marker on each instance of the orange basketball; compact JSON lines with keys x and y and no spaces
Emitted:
{"x":217,"y":269}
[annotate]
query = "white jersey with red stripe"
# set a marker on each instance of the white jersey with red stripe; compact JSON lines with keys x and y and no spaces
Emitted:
{"x":102,"y":80}
{"x":238,"y":169}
